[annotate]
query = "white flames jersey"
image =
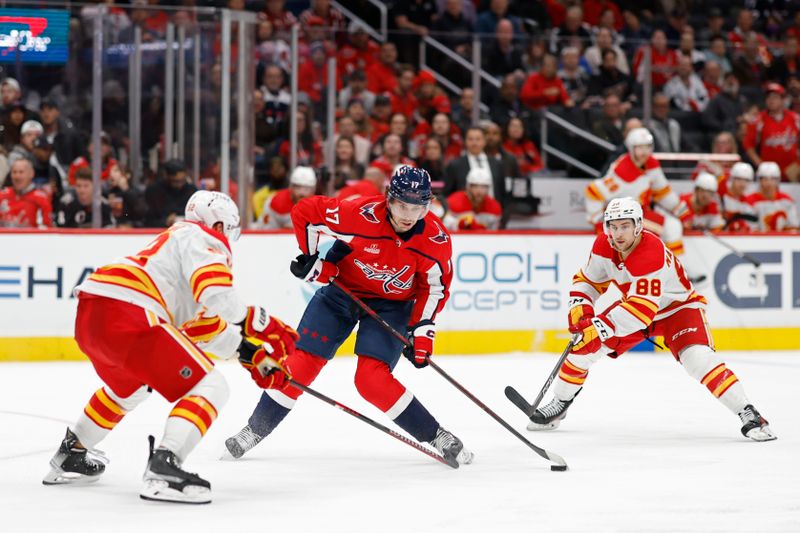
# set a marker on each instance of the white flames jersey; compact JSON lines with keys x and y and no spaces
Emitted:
{"x":733,"y":206}
{"x":775,"y":214}
{"x":183,"y":277}
{"x":652,"y":282}
{"x":625,"y":178}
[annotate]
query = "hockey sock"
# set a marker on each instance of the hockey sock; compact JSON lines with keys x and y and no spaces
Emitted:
{"x":191,"y":417}
{"x":274,"y":405}
{"x":103,"y":412}
{"x":377,"y":385}
{"x":703,"y":364}
{"x":573,"y":374}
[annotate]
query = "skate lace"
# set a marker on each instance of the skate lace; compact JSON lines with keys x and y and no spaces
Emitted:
{"x":553,"y":408}
{"x":247,"y":438}
{"x":748,"y":415}
{"x":444,"y":439}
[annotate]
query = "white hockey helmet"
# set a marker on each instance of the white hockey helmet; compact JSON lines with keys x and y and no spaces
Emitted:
{"x":479,"y":176}
{"x":705,"y":181}
{"x":621,"y":209}
{"x":210,"y":207}
{"x":303,"y":177}
{"x":768,"y":169}
{"x":742,"y":171}
{"x":638,"y":137}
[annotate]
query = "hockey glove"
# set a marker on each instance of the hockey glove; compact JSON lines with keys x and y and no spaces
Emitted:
{"x":312,"y":269}
{"x":593,"y":332}
{"x":420,"y":347}
{"x":579,"y":308}
{"x":262,"y":327}
{"x":267,"y":367}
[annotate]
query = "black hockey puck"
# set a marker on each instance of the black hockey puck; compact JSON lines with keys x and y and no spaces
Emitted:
{"x":558,"y":468}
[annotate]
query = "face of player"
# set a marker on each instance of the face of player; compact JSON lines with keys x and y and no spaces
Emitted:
{"x":769,"y":186}
{"x":299,"y":192}
{"x":404,"y":216}
{"x":83,"y":190}
{"x":738,"y":186}
{"x":622,"y":234}
{"x":703,"y":197}
{"x":478,"y":193}
{"x":641,"y":153}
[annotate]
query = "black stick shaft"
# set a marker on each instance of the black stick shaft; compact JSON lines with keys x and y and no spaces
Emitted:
{"x":735,"y":251}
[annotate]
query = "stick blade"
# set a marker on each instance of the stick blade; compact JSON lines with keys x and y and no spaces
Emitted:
{"x":517,"y":399}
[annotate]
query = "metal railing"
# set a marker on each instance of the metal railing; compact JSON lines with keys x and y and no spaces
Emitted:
{"x":548,"y":149}
{"x":378,"y":36}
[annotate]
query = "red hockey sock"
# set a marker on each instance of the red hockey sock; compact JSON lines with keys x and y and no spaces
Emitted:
{"x":304,"y":368}
{"x":378,"y":386}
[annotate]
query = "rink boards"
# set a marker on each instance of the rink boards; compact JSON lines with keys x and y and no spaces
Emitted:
{"x":509,"y":289}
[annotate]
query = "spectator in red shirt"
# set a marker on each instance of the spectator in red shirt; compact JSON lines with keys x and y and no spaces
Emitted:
{"x":332,"y":18}
{"x":774,"y":135}
{"x":309,"y":150}
{"x":398,"y":125}
{"x":544,"y":88}
{"x":403,"y":99}
{"x":521,"y":147}
{"x":22,"y":205}
{"x":382,"y":74}
{"x":380,"y":116}
{"x":359,"y":53}
{"x":105,"y":153}
{"x":430,"y":97}
{"x":712,"y":79}
{"x":313,"y":74}
{"x":663,"y":59}
{"x":281,"y":19}
{"x":592,"y":9}
{"x":744,"y":31}
{"x":474,"y":208}
{"x":442,"y":130}
{"x":393,"y":153}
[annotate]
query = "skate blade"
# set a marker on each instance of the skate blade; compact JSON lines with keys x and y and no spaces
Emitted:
{"x":227,"y":456}
{"x":762,"y":434}
{"x":533,"y":426}
{"x":56,"y":476}
{"x":159,"y":491}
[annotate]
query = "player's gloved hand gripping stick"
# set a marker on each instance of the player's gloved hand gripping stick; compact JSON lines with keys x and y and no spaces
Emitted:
{"x":559,"y":463}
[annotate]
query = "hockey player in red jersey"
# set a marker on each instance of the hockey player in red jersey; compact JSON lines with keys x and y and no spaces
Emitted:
{"x":638,"y":174}
{"x":396,"y":256}
{"x":148,"y":322}
{"x":657,"y":299}
{"x":474,"y":208}
{"x":737,"y":210}
{"x":776,"y":210}
{"x":702,"y":204}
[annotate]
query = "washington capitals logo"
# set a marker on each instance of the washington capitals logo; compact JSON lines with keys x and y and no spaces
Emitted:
{"x":392,"y":284}
{"x":368,"y":212}
{"x":441,"y":237}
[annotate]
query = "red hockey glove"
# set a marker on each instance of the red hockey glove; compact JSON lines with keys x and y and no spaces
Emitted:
{"x":312,"y":269}
{"x":469,"y":222}
{"x":593,"y":332}
{"x":420,"y":348}
{"x":267,"y":366}
{"x":579,"y":308}
{"x":262,"y":327}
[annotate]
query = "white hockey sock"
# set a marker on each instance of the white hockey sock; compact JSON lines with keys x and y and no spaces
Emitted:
{"x":705,"y":365}
{"x":103,"y":412}
{"x":191,"y":417}
{"x":574,"y":372}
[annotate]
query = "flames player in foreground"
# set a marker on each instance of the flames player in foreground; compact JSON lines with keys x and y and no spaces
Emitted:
{"x":657,"y":299}
{"x":148,"y":322}
{"x":394,"y":254}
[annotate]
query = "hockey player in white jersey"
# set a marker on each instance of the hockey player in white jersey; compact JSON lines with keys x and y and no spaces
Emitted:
{"x":149,"y":322}
{"x":657,"y":299}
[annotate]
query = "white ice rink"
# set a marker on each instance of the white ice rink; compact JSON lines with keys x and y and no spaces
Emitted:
{"x":649,"y":449}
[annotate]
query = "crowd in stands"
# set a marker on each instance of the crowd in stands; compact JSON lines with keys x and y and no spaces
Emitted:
{"x":725,"y":78}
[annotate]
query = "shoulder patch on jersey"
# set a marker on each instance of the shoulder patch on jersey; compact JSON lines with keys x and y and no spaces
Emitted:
{"x":368,"y":212}
{"x":441,"y":237}
{"x":648,"y":256}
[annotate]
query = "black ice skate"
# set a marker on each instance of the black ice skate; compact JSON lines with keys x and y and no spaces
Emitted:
{"x":165,"y":481}
{"x":549,"y":416}
{"x":242,"y":442}
{"x":754,"y":425}
{"x":451,"y":448}
{"x":74,"y":464}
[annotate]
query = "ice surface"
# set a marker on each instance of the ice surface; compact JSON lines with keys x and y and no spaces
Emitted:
{"x":649,"y":450}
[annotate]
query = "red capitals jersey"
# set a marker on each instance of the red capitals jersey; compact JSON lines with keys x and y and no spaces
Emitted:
{"x":774,"y":140}
{"x":709,"y":217}
{"x":30,"y":209}
{"x":381,"y":264}
{"x":349,"y":58}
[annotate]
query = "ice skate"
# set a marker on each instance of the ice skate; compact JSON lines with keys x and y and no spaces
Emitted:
{"x":549,"y":416}
{"x":73,"y":464}
{"x":165,"y":481}
{"x":241,"y":443}
{"x":754,"y":425}
{"x":451,"y":448}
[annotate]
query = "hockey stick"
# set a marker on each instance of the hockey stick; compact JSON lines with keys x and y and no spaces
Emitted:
{"x":560,"y":464}
{"x":373,"y":423}
{"x":735,"y":251}
{"x":529,"y":408}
